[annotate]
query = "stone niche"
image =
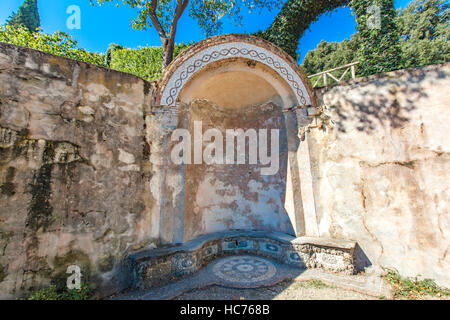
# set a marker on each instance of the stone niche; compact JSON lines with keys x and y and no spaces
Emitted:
{"x":233,"y":82}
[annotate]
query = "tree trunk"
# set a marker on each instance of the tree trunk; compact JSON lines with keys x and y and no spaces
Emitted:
{"x":168,"y":46}
{"x":168,"y":42}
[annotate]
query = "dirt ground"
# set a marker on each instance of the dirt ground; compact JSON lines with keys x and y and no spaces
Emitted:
{"x":311,"y":290}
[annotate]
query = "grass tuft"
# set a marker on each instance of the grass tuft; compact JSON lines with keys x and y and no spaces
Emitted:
{"x":52,"y":293}
{"x":413,"y":288}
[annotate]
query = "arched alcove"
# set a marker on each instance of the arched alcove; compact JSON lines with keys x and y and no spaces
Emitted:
{"x":251,"y":83}
{"x":214,"y":49}
{"x":244,"y":85}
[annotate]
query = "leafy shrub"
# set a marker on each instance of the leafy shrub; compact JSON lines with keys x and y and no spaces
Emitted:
{"x":413,"y":288}
{"x":330,"y":55}
{"x":59,"y":43}
{"x":145,"y":62}
{"x":424,"y":34}
{"x":52,"y":293}
{"x":27,"y":16}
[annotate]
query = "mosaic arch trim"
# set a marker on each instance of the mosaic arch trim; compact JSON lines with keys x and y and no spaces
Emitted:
{"x":233,"y":50}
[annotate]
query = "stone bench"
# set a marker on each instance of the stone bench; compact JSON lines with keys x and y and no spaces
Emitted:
{"x":155,"y":267}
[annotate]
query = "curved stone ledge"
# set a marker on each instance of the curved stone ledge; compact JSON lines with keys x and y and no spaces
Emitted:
{"x":155,"y":267}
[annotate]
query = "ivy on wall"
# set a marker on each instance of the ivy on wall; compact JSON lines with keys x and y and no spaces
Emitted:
{"x":380,"y":47}
{"x":294,"y":19}
{"x":380,"y":51}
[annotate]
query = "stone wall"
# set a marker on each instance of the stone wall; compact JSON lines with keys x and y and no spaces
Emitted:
{"x":381,"y":170}
{"x":85,"y":177}
{"x":73,"y":176}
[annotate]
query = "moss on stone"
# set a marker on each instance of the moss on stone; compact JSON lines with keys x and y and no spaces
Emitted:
{"x":5,"y":235}
{"x":144,"y":244}
{"x":48,"y":155}
{"x":2,"y":273}
{"x":71,"y":258}
{"x":106,"y":264}
{"x":40,"y":209}
{"x":4,"y":154}
{"x":67,"y":172}
{"x":61,"y":263}
{"x":8,"y":188}
{"x":20,"y":147}
{"x":41,"y":267}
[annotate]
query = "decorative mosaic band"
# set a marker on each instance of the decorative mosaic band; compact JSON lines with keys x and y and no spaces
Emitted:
{"x":233,"y":50}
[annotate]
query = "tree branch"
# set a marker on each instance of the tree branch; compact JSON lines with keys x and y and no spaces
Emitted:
{"x":155,"y":20}
{"x":181,"y":6}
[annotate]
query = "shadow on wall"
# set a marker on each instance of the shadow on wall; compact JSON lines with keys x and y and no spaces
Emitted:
{"x":361,"y":260}
{"x":380,"y":173}
{"x":381,"y":99}
{"x":232,"y":196}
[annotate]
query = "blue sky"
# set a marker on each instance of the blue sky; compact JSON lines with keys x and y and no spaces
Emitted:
{"x":101,"y":26}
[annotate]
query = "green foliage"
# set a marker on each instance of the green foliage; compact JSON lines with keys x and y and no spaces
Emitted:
{"x":423,"y":26}
{"x":144,"y":62}
{"x":108,"y":57}
{"x":59,"y":43}
{"x":317,"y":284}
{"x":425,"y":32}
{"x":49,"y":293}
{"x":165,"y":14}
{"x":52,"y":293}
{"x":208,"y":13}
{"x":27,"y":16}
{"x":413,"y":288}
{"x":330,"y":55}
{"x":294,"y":19}
{"x":379,"y":49}
{"x":2,"y":272}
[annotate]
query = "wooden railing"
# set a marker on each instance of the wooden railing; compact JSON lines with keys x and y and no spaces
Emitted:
{"x":328,"y":74}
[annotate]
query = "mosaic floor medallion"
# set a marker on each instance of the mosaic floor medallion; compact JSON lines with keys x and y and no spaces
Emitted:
{"x":244,"y":269}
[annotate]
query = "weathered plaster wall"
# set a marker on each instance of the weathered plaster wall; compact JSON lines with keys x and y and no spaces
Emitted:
{"x":74,"y":173}
{"x":222,"y":197}
{"x":382,"y":172}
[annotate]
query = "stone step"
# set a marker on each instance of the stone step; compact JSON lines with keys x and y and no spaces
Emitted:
{"x":151,"y":268}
